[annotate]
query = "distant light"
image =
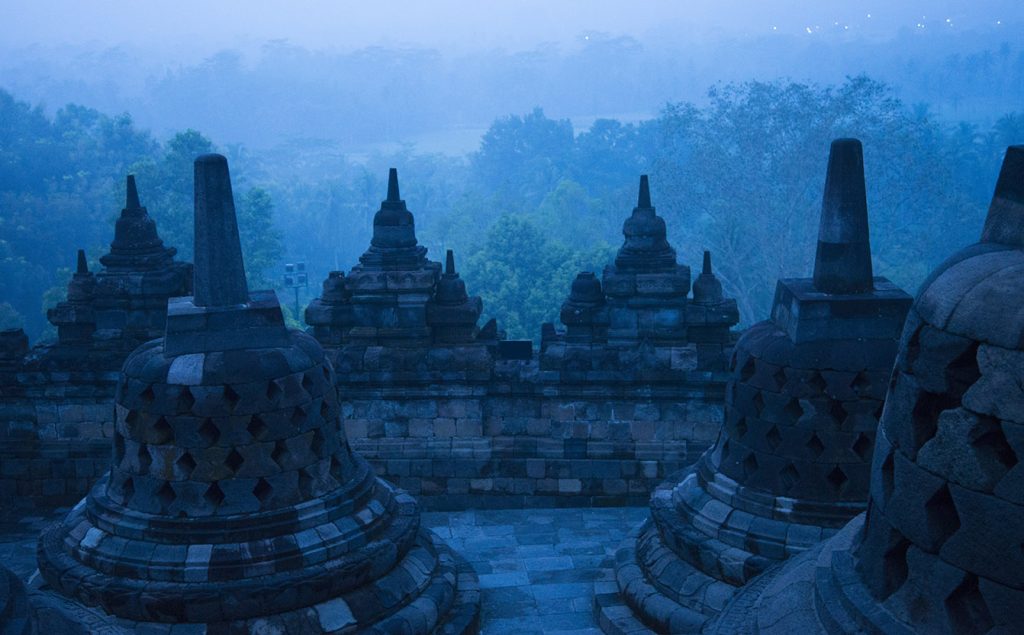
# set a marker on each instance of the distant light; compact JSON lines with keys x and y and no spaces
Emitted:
{"x":999,"y":21}
{"x":869,"y":16}
{"x":809,"y":30}
{"x":846,"y":27}
{"x":775,"y":28}
{"x":948,"y":20}
{"x":586,"y":37}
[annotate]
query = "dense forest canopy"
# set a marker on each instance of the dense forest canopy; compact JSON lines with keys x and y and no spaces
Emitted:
{"x":740,"y":173}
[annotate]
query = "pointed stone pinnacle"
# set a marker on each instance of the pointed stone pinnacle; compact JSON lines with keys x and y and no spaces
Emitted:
{"x":449,"y":263}
{"x":643,"y":199}
{"x":843,"y":260}
{"x":393,"y":195}
{"x":707,"y":262}
{"x":131,"y":199}
{"x":1005,"y":221}
{"x":83,"y":265}
{"x":219,"y":274}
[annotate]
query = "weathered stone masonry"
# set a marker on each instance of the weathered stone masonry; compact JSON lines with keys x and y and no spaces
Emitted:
{"x":515,"y":441}
{"x":56,"y":400}
{"x":234,"y":502}
{"x":939,"y":548}
{"x":629,"y":393}
{"x":600,"y":418}
{"x":791,"y":464}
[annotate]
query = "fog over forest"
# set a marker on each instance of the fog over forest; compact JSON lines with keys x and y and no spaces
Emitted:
{"x":519,"y":130}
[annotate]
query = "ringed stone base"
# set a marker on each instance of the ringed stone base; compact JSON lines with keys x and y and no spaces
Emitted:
{"x":811,"y":593}
{"x":432,"y":590}
{"x":14,"y":606}
{"x":682,"y":566}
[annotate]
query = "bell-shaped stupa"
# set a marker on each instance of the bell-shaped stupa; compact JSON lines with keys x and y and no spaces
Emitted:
{"x":939,"y":548}
{"x":791,"y":462}
{"x":233,"y":499}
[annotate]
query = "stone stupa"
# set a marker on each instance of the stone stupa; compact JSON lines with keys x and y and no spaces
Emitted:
{"x":108,"y":313}
{"x":638,"y":317}
{"x":396,"y":317}
{"x":384,"y":297}
{"x":233,"y":500}
{"x":939,"y":549}
{"x":791,"y":463}
{"x":646,"y":288}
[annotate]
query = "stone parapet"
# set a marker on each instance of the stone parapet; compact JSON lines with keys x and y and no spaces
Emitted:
{"x":525,"y":437}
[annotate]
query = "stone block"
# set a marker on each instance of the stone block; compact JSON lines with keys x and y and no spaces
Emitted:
{"x":570,"y":486}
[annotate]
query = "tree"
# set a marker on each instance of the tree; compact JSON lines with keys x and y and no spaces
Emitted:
{"x":9,"y":317}
{"x":166,"y":188}
{"x":523,"y":277}
{"x":261,"y":241}
{"x":522,"y":158}
{"x":61,"y":184}
{"x":744,"y":177}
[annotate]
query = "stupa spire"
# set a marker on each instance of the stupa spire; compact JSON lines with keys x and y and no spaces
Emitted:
{"x":843,"y":260}
{"x":393,"y":195}
{"x":1005,"y":221}
{"x":219,"y":277}
{"x":643,"y":199}
{"x":136,"y":245}
{"x":131,"y":194}
{"x":707,"y":289}
{"x":449,"y":263}
{"x":83,"y":265}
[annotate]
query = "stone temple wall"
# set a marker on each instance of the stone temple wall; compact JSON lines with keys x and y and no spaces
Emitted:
{"x":460,"y":417}
{"x":436,"y":405}
{"x":507,"y":442}
{"x":516,"y":442}
{"x":55,"y":434}
{"x":57,"y":398}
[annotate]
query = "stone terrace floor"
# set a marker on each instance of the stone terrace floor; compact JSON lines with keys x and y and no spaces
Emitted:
{"x":537,"y":567}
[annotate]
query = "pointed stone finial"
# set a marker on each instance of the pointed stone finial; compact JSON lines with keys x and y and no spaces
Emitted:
{"x":643,"y":199}
{"x":1005,"y":221}
{"x":449,"y":263}
{"x":219,"y":274}
{"x":136,"y":245}
{"x":843,"y":260}
{"x":646,"y":247}
{"x":707,"y":289}
{"x":394,"y":231}
{"x":131,"y":199}
{"x":83,"y":265}
{"x":393,"y":196}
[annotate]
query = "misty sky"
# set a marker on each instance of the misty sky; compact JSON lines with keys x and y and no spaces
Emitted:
{"x":444,"y":70}
{"x":199,"y":26}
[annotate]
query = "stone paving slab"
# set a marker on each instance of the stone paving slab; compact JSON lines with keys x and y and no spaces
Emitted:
{"x":18,"y":535}
{"x":537,"y":567}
